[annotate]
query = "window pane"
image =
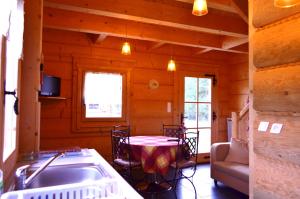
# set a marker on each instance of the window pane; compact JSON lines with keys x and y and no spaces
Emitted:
{"x":13,"y":53}
{"x":103,"y":95}
{"x":204,"y":90}
{"x":204,"y":142}
{"x":190,"y":112}
{"x":204,"y":115}
{"x":190,"y":91}
{"x":9,"y":144}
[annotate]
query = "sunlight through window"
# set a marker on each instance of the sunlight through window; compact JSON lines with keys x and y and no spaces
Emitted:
{"x":103,"y":95}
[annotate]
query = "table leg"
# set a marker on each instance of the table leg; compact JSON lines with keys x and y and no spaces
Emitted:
{"x":153,"y":186}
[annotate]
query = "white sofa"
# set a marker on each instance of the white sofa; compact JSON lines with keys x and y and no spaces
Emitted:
{"x":233,"y":174}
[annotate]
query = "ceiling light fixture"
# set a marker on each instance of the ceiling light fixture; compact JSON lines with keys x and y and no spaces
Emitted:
{"x":285,"y":3}
{"x":171,"y":65}
{"x":126,"y":50}
{"x":200,"y":8}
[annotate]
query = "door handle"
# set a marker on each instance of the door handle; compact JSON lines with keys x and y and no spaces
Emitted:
{"x":16,"y":104}
{"x":214,"y":116}
{"x":182,"y":118}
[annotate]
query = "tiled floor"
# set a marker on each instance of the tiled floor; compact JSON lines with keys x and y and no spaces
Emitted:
{"x":205,"y":188}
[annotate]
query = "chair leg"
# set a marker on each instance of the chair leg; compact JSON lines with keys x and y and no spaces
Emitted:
{"x":216,"y":183}
{"x":175,"y":184}
{"x":175,"y":193}
{"x":192,"y":185}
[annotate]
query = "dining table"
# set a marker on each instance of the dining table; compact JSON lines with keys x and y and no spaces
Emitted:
{"x":156,"y":154}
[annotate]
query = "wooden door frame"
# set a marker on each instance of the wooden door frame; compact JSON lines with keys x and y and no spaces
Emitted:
{"x":2,"y":72}
{"x":6,"y":165}
{"x":179,"y":86}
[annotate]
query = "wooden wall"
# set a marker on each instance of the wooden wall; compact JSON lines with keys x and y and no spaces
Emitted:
{"x":239,"y":86}
{"x":30,"y":78}
{"x":234,"y":90}
{"x":223,"y":104}
{"x":148,"y":108}
{"x":274,"y":82}
{"x":239,"y":93}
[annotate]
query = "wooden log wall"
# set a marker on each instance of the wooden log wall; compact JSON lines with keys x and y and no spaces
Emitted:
{"x":274,"y":82}
{"x":30,"y":78}
{"x":148,"y":108}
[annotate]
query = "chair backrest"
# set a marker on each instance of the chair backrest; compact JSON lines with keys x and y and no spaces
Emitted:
{"x":187,"y":147}
{"x":186,"y":155}
{"x":119,"y":137}
{"x":122,"y":127}
{"x":173,"y":130}
{"x":190,"y":143}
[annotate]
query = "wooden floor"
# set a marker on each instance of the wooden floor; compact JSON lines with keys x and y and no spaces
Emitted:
{"x":204,"y":186}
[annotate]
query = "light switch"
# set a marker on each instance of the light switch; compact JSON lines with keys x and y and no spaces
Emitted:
{"x":169,"y":107}
{"x":276,"y":128}
{"x":263,"y":126}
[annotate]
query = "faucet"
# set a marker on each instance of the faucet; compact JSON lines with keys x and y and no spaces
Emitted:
{"x":20,"y":174}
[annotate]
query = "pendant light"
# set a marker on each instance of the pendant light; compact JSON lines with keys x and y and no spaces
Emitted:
{"x":171,"y":65}
{"x":200,"y":8}
{"x":285,"y":3}
{"x":126,"y":50}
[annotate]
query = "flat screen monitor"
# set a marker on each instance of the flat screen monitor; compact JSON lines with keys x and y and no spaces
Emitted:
{"x":50,"y":86}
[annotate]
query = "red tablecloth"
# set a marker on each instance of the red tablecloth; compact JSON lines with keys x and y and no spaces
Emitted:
{"x":156,"y":153}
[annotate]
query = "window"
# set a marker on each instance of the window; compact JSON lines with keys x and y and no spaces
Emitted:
{"x":197,"y":109}
{"x":101,"y":96}
{"x":12,"y":50}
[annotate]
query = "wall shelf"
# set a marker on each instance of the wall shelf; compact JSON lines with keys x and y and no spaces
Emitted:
{"x":51,"y":98}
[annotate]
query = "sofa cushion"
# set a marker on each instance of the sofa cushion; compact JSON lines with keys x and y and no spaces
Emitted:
{"x":238,"y":152}
{"x":237,"y":170}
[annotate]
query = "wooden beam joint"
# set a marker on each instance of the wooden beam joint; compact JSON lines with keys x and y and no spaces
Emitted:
{"x":97,"y":38}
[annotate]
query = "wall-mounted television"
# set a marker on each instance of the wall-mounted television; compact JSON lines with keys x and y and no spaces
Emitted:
{"x":50,"y":86}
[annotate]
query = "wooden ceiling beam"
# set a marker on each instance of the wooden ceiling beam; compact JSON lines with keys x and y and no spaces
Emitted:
{"x":241,"y":7}
{"x":231,"y":42}
{"x":156,"y":45}
{"x":224,"y":5}
{"x":243,"y":47}
{"x":89,"y":23}
{"x":202,"y":51}
{"x":155,"y":12}
{"x":96,"y":38}
{"x":234,"y":50}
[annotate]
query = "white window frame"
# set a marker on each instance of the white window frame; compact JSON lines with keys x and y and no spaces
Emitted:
{"x":79,"y":122}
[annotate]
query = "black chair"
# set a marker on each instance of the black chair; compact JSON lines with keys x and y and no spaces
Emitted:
{"x":173,"y":130}
{"x":122,"y":128}
{"x":186,"y":159}
{"x":121,"y":153}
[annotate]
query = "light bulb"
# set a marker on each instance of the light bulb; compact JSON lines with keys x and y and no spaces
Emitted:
{"x":200,"y":8}
{"x":171,"y":65}
{"x":126,"y":48}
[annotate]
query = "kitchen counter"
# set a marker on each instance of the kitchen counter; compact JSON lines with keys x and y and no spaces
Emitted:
{"x":91,"y":156}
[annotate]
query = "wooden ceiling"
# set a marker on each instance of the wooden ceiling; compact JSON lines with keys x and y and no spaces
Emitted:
{"x":159,"y":22}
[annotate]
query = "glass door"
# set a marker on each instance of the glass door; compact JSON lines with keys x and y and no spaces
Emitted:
{"x":197,"y":109}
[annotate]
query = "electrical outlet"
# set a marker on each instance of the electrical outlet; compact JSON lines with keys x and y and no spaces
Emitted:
{"x":263,"y":126}
{"x":276,"y":128}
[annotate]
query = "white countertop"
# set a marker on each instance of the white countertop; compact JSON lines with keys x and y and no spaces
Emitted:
{"x":92,"y":156}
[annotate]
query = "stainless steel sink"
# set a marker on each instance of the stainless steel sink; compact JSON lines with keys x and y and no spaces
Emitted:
{"x":67,"y":174}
